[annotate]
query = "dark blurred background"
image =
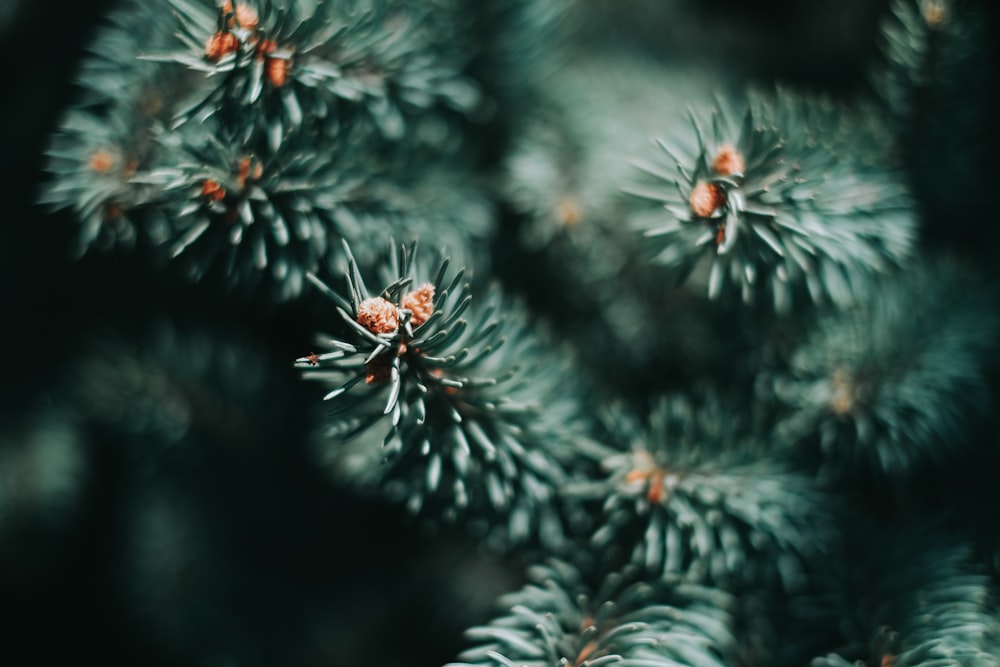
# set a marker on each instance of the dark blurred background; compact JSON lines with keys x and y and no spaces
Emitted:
{"x":226,"y":543}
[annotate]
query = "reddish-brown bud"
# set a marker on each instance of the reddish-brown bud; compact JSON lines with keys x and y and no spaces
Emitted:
{"x":843,"y":396}
{"x":655,"y":493}
{"x":420,"y":302}
{"x":276,"y":70}
{"x":212,"y":190}
{"x":728,"y":162}
{"x":935,"y":13}
{"x":265,"y":47}
{"x":706,"y":199}
{"x":248,"y":168}
{"x":569,"y":212}
{"x":246,"y":17}
{"x":101,"y":161}
{"x":220,"y":45}
{"x":378,"y":315}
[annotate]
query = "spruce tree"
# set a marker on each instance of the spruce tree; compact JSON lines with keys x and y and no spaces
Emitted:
{"x":560,"y":333}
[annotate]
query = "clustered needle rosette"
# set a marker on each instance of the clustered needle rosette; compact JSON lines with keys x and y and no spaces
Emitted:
{"x":690,"y":494}
{"x":896,"y":383}
{"x":255,"y":215}
{"x":284,"y":62}
{"x":560,"y":620}
{"x":786,"y":205}
{"x":480,"y":417}
{"x":94,"y":160}
{"x":109,"y":135}
{"x":248,"y":163}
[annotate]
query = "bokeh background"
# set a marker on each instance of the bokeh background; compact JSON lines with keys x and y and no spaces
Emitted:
{"x":220,"y":541}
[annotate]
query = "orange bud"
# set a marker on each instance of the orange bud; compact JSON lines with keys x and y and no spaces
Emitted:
{"x":569,"y":212}
{"x":728,"y":162}
{"x":246,"y":17}
{"x":248,"y":168}
{"x":220,"y":45}
{"x":276,"y":70}
{"x":378,"y":315}
{"x":101,"y":161}
{"x":656,"y":490}
{"x":420,"y":302}
{"x":706,"y":198}
{"x":212,"y":190}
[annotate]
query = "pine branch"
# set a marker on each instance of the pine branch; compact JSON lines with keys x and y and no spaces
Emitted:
{"x":110,"y":134}
{"x":170,"y":383}
{"x":278,"y":65}
{"x":557,"y":619}
{"x":479,"y":417}
{"x":897,"y":383}
{"x":93,"y":160}
{"x":257,"y":215}
{"x":686,"y":497}
{"x":782,"y":211}
{"x":257,"y":203}
{"x":563,"y":175}
{"x":570,"y":160}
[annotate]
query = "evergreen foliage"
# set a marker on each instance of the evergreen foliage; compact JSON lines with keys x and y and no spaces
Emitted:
{"x":557,"y":619}
{"x":782,"y":206}
{"x":211,"y":156}
{"x":937,"y":608}
{"x":898,"y":383}
{"x":594,"y":329}
{"x":279,"y":64}
{"x":471,"y":426}
{"x":702,"y":501}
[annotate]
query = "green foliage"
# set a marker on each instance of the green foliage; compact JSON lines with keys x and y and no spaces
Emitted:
{"x":479,"y":419}
{"x":274,"y":149}
{"x":567,"y":165}
{"x":558,"y":619}
{"x":164,"y":165}
{"x":563,"y":174}
{"x":338,"y":55}
{"x":783,"y":210}
{"x":897,"y":383}
{"x":693,"y":495}
{"x":931,"y":604}
{"x":110,"y":135}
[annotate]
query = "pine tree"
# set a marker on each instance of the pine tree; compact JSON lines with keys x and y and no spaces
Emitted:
{"x":559,"y":333}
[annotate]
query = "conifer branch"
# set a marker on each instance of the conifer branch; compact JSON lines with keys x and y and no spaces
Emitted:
{"x":898,"y":382}
{"x":686,"y":498}
{"x":783,"y":211}
{"x":281,"y":64}
{"x":558,"y":620}
{"x":477,"y":415}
